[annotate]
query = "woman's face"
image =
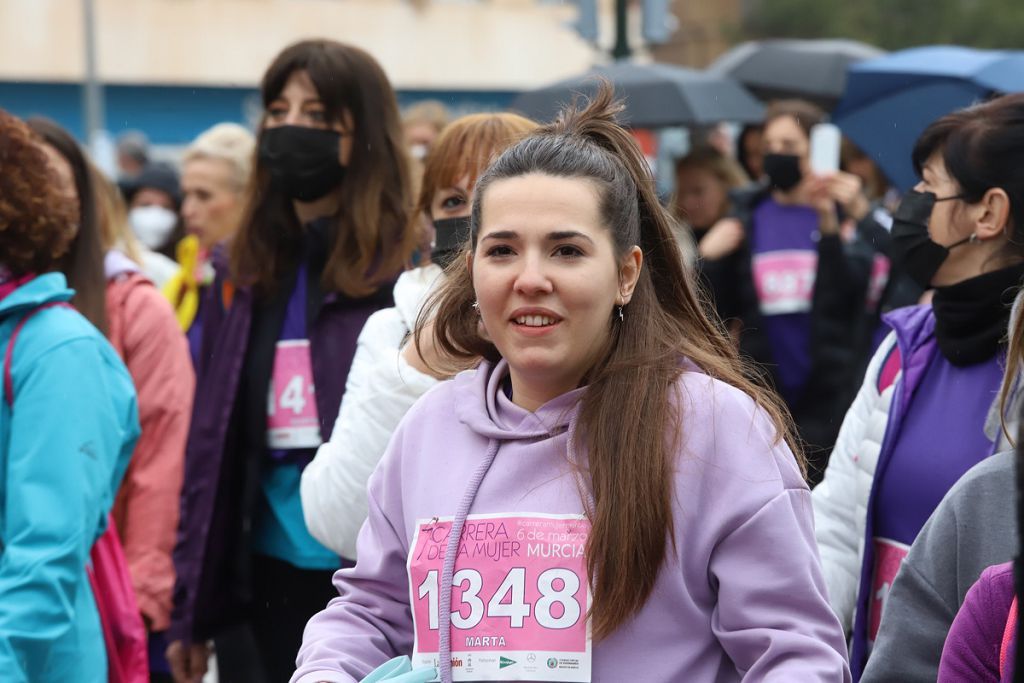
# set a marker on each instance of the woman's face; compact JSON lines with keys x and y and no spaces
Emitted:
{"x":547,"y":281}
{"x":212,"y":203}
{"x":151,"y":196}
{"x":700,"y":196}
{"x":454,"y":201}
{"x":948,"y":223}
{"x":299,"y":104}
{"x":783,"y":135}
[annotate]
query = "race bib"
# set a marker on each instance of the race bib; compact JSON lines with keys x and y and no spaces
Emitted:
{"x":292,"y":418}
{"x":785,"y":280}
{"x":520,"y":597}
{"x":889,"y":556}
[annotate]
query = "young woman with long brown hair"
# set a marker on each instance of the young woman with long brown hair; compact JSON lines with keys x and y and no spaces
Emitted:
{"x":606,"y":493}
{"x":323,"y":236}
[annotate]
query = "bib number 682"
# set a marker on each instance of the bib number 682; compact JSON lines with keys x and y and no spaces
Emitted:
{"x":556,"y":587}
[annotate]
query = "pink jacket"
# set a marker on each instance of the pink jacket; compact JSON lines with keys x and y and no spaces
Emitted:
{"x":143,"y":330}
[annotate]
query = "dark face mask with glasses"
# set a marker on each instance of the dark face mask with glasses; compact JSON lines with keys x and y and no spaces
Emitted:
{"x":921,"y":257}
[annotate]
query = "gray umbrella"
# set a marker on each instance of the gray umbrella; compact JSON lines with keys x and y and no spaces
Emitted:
{"x":811,"y":69}
{"x":656,"y":95}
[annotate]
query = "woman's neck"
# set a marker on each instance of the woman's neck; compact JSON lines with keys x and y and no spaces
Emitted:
{"x":531,"y":393}
{"x":795,"y":197}
{"x":307,"y":212}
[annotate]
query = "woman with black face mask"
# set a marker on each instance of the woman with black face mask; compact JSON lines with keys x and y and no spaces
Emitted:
{"x":786,"y":282}
{"x":323,"y":237}
{"x":388,"y":374}
{"x":927,"y":410}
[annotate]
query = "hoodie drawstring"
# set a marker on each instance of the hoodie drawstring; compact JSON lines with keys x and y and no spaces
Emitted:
{"x":450,"y":553}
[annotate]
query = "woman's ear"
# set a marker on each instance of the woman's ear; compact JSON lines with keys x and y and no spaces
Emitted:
{"x":629,"y":274}
{"x":993,"y":214}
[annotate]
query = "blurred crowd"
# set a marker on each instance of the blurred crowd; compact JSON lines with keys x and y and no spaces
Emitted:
{"x":229,"y":377}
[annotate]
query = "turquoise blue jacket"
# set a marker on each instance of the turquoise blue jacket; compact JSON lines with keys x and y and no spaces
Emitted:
{"x":63,"y":450}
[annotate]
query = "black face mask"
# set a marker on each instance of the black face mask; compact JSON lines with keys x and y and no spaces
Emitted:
{"x":303,"y":162}
{"x":450,"y":236}
{"x":783,"y":171}
{"x":915,"y":250}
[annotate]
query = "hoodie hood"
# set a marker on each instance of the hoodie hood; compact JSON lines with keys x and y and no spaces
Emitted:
{"x":117,"y":263}
{"x":412,"y":289}
{"x":483,"y":405}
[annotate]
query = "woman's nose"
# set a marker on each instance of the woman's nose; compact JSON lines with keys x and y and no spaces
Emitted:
{"x":533,"y":277}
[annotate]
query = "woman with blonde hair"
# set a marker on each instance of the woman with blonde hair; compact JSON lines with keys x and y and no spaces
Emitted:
{"x":215,"y":172}
{"x":385,"y":379}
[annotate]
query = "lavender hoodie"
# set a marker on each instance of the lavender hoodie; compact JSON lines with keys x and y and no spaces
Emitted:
{"x":740,"y":598}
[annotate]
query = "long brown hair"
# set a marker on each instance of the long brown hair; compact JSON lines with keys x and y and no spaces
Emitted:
{"x":83,"y":264}
{"x":627,"y":410}
{"x":371,"y":239}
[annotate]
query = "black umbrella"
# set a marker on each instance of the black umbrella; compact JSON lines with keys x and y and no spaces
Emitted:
{"x":656,"y":95}
{"x":811,"y":69}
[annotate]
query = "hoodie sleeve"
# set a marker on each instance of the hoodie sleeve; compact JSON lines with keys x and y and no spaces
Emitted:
{"x":57,"y":481}
{"x":746,"y":527}
{"x":774,"y":621}
{"x":381,"y":388}
{"x":146,"y":511}
{"x":370,"y":622}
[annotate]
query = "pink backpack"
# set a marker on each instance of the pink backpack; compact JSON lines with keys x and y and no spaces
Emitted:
{"x":123,"y":631}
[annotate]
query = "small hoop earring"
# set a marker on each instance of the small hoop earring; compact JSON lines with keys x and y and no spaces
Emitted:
{"x":622,"y":316}
{"x":476,"y":304}
{"x":973,"y":239}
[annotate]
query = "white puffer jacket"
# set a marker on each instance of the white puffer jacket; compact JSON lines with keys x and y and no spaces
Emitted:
{"x":841,"y":499}
{"x":381,"y":388}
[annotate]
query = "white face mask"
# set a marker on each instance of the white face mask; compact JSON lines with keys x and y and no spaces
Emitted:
{"x":419,"y":152}
{"x":152,"y":225}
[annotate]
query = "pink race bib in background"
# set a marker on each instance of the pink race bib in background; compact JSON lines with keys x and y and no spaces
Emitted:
{"x":292,"y":417}
{"x":785,"y":280}
{"x":520,"y":597}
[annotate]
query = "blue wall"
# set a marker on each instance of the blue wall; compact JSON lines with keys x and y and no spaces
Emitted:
{"x":174,"y":115}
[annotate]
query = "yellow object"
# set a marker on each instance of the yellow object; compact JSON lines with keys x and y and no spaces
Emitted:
{"x":182,"y":290}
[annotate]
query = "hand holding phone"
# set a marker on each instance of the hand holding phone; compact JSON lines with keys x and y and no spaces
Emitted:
{"x":825,"y":142}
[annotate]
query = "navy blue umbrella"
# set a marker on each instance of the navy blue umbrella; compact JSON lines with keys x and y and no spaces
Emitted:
{"x":656,"y":95}
{"x":889,"y":101}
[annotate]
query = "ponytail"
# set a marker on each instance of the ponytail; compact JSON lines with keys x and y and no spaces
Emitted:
{"x":628,"y":428}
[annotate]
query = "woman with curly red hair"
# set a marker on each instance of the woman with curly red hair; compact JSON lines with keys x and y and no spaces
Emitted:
{"x":65,"y":448}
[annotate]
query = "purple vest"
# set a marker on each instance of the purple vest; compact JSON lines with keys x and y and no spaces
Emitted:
{"x":204,"y":528}
{"x":915,"y":340}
